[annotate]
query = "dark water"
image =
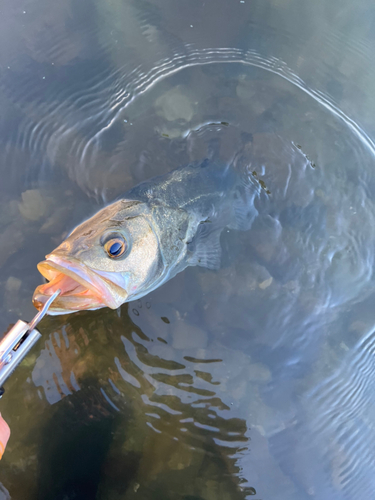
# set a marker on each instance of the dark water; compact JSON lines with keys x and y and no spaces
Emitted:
{"x":255,"y":381}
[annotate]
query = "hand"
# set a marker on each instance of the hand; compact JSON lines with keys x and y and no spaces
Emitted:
{"x":4,"y":435}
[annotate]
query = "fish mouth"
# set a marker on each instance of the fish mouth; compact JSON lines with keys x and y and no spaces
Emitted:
{"x":81,"y":287}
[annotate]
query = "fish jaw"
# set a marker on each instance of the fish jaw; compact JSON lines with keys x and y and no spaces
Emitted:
{"x":81,"y":287}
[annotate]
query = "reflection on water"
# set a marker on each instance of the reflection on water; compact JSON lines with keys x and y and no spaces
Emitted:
{"x":133,"y":414}
{"x":252,"y":381}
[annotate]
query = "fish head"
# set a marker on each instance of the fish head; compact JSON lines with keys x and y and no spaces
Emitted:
{"x":107,"y":260}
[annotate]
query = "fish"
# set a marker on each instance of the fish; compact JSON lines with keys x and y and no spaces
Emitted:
{"x":154,"y":231}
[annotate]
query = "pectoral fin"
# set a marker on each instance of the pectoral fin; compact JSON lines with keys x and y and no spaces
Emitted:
{"x":244,"y":211}
{"x":206,"y":248}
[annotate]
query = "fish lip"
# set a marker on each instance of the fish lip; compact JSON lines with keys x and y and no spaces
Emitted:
{"x":83,"y":276}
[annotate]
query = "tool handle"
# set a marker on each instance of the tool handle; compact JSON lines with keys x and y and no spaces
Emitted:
{"x":18,"y":342}
{"x":14,"y":347}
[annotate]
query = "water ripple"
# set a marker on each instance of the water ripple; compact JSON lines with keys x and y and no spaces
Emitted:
{"x":343,"y":415}
{"x":75,"y":119}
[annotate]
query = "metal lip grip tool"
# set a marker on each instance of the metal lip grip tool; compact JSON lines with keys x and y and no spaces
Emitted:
{"x":18,"y":342}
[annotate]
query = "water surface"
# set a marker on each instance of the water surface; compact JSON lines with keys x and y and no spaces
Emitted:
{"x":254,"y":381}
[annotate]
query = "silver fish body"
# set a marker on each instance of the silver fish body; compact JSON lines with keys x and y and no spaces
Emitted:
{"x":139,"y":242}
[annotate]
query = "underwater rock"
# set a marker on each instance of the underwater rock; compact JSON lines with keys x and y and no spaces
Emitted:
{"x":266,"y":283}
{"x":8,"y":212}
{"x":11,"y":240}
{"x":13,"y":285}
{"x":33,"y":205}
{"x":55,"y":224}
{"x":175,"y":105}
{"x":255,"y":94}
{"x":258,"y":372}
{"x":187,"y":336}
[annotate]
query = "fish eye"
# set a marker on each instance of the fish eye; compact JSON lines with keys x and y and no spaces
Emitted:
{"x":115,"y":247}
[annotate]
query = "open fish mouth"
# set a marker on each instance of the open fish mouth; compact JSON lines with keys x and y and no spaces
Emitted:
{"x":81,"y":287}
